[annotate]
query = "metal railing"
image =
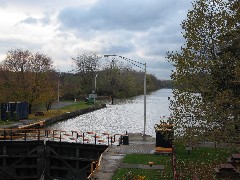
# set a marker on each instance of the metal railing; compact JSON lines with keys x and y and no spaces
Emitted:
{"x":59,"y":136}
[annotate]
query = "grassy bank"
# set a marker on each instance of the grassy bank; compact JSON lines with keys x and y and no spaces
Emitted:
{"x":62,"y":110}
{"x":52,"y":113}
{"x":200,"y":163}
{"x":6,"y":122}
{"x":144,"y":159}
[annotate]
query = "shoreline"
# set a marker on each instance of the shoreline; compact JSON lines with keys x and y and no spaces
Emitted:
{"x":30,"y":124}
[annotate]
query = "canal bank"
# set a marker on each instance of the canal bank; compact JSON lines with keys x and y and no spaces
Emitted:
{"x":43,"y":122}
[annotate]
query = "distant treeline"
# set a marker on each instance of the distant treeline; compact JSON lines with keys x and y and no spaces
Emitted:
{"x":31,"y":77}
{"x":167,"y":84}
{"x":109,"y":82}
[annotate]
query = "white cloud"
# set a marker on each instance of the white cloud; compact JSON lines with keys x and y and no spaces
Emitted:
{"x":140,"y":30}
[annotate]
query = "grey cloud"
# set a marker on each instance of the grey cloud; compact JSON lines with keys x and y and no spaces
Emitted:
{"x":46,"y":19}
{"x":159,"y":21}
{"x":158,"y":41}
{"x":161,"y":69}
{"x":159,"y":64}
{"x":9,"y":44}
{"x":129,"y":15}
{"x":161,"y":49}
{"x":163,"y":74}
{"x":146,"y":28}
{"x":30,"y":20}
{"x":3,"y":4}
{"x":121,"y":49}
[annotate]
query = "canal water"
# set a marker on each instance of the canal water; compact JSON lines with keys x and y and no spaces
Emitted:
{"x":127,"y":115}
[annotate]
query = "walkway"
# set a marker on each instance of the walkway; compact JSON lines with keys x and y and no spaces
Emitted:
{"x":112,"y":158}
{"x":18,"y":124}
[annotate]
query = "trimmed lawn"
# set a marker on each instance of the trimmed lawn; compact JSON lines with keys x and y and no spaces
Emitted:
{"x":148,"y":174}
{"x":165,"y":160}
{"x":145,"y":158}
{"x":76,"y":106}
{"x":200,"y":163}
{"x":57,"y":112}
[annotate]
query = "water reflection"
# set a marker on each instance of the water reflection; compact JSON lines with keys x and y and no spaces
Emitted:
{"x":124,"y":116}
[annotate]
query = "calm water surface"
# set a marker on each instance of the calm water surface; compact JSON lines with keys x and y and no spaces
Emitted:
{"x":124,"y":116}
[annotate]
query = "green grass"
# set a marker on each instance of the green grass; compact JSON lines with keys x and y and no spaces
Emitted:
{"x":200,"y":162}
{"x":6,"y":122}
{"x":144,"y":159}
{"x":57,"y":112}
{"x":76,"y":106}
{"x":148,"y":174}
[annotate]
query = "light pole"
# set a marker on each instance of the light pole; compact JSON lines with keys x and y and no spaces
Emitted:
{"x":144,"y":84}
{"x":95,"y":88}
{"x":145,"y":99}
{"x":58,"y":94}
{"x":95,"y":83}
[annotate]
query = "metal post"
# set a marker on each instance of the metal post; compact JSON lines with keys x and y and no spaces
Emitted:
{"x":58,"y":94}
{"x":95,"y":139}
{"x":39,"y":134}
{"x":95,"y":87}
{"x":144,"y":84}
{"x":25,"y":135}
{"x":53,"y":134}
{"x":60,"y":136}
{"x":83,"y":138}
{"x":4,"y":134}
{"x":95,"y":84}
{"x":11,"y":135}
{"x":145,"y":106}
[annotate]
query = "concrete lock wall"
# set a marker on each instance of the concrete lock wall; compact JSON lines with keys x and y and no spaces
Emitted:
{"x":47,"y":160}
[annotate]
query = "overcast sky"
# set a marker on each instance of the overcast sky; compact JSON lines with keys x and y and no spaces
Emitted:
{"x":141,"y":30}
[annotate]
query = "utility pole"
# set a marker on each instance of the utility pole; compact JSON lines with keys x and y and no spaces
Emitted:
{"x":144,"y":85}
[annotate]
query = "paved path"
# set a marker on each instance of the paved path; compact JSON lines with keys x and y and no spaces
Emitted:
{"x":112,"y":158}
{"x":18,"y":124}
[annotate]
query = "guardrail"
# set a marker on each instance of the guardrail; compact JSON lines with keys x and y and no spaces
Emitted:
{"x":89,"y":137}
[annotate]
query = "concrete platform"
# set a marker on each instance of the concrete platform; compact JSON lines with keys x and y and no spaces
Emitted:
{"x":112,"y":157}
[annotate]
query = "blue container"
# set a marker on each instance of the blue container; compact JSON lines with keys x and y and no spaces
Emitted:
{"x":14,"y":111}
